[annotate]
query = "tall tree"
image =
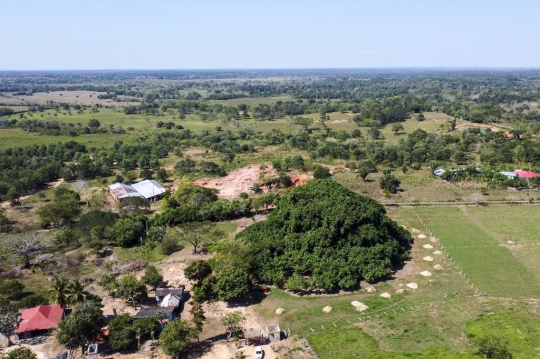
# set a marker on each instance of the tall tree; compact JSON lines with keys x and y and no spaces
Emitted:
{"x":23,"y":245}
{"x":197,"y":233}
{"x":129,"y":288}
{"x":197,"y":271}
{"x":176,"y":335}
{"x":60,"y":291}
{"x":152,"y":277}
{"x":76,"y":292}
{"x":81,"y":326}
{"x":121,"y":332}
{"x":197,"y":312}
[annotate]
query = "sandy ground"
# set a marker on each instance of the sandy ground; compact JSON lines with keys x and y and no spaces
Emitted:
{"x":236,"y":182}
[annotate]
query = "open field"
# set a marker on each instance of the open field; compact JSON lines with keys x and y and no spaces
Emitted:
{"x":72,"y":97}
{"x":488,"y":263}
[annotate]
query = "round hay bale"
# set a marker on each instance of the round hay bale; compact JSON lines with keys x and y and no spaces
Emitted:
{"x":437,"y":267}
{"x":428,"y":258}
{"x":421,"y":236}
{"x":359,"y":306}
{"x":412,"y":285}
{"x":437,"y":252}
{"x":427,"y":246}
{"x":426,"y":273}
{"x":386,"y":295}
{"x":279,"y":311}
{"x":371,"y":289}
{"x":400,"y":291}
{"x":327,"y":309}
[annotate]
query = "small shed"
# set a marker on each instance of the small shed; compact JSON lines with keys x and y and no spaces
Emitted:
{"x":273,"y":333}
{"x":161,"y":293}
{"x":253,"y":335}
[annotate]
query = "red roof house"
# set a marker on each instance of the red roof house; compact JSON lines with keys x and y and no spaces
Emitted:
{"x":526,"y":174}
{"x":42,"y":317}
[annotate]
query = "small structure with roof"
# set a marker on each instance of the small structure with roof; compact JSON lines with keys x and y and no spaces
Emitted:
{"x":253,"y":335}
{"x":273,"y":333}
{"x":38,"y":320}
{"x":161,"y":293}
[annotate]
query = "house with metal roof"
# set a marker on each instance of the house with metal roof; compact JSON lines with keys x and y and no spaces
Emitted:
{"x":120,"y":191}
{"x":149,"y":189}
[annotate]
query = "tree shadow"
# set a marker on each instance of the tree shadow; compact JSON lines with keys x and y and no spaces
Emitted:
{"x":198,"y":349}
{"x":255,"y":297}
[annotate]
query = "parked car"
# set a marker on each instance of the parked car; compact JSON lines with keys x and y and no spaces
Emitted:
{"x":258,"y":353}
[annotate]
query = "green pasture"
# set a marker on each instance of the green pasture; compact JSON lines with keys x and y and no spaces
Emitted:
{"x":490,"y":266}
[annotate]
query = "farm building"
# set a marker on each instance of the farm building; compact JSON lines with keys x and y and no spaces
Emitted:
{"x":525,"y":174}
{"x":37,"y":320}
{"x":170,"y":300}
{"x":148,"y":189}
{"x":120,"y":191}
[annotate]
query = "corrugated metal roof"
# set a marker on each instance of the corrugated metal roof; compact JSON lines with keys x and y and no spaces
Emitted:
{"x":149,"y":188}
{"x":121,"y":190}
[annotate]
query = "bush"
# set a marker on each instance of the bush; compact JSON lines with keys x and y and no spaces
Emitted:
{"x":12,"y":288}
{"x":32,"y":300}
{"x":169,"y":245}
{"x":321,"y":172}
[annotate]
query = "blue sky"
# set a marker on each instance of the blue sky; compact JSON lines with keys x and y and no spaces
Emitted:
{"x":205,"y":34}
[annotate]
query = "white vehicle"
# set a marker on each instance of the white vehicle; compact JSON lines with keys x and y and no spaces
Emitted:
{"x":258,"y":353}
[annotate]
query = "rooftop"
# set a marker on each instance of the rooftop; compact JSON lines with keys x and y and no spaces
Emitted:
{"x":40,"y":318}
{"x":149,"y":188}
{"x":121,"y":190}
{"x":152,"y":311}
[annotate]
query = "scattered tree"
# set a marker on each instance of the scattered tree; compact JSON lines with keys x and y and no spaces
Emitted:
{"x":233,"y":322}
{"x":152,"y":277}
{"x":20,"y":353}
{"x":176,"y":335}
{"x":197,"y":233}
{"x":197,"y":271}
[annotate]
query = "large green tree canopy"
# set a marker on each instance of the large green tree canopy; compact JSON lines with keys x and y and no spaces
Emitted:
{"x":322,"y":235}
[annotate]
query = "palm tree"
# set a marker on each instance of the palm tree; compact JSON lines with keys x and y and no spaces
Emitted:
{"x":59,"y":291}
{"x":76,"y":292}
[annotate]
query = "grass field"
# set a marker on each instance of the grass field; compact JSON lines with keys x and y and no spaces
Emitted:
{"x":489,"y":265}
